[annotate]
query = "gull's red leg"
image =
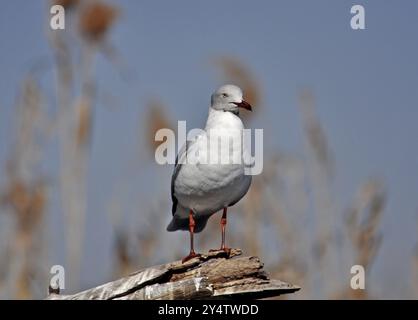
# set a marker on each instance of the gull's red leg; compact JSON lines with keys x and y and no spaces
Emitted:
{"x":223,"y":227}
{"x":192,"y":253}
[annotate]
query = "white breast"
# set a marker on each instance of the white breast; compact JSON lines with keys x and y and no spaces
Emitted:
{"x":208,"y":187}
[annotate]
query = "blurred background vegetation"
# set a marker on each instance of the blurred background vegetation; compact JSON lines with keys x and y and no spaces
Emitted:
{"x":291,"y":218}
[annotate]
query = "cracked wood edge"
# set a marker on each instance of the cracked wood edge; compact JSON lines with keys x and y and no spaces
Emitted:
{"x":213,"y":275}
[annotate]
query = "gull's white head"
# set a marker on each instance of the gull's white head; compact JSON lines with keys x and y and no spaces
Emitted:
{"x":229,"y":98}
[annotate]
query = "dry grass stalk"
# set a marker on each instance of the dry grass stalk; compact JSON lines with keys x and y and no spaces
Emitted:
{"x":155,"y":120}
{"x":25,"y":194}
{"x":362,"y":224}
{"x":314,"y":132}
{"x":74,"y":129}
{"x":75,"y":117}
{"x":364,"y":234}
{"x":96,"y":18}
{"x":67,"y":4}
{"x":84,"y":118}
{"x":124,"y":261}
{"x":252,"y":207}
{"x":287,"y":218}
{"x":319,"y":168}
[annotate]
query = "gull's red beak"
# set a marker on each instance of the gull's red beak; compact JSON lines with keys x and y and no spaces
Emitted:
{"x":244,"y":104}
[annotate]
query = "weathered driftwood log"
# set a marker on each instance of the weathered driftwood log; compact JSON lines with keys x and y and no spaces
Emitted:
{"x":212,"y":276}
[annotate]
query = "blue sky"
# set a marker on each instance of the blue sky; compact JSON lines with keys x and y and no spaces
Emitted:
{"x":365,"y":83}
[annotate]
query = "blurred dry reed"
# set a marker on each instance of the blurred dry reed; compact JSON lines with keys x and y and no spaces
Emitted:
{"x":155,"y":120}
{"x":67,"y":4}
{"x":96,"y":18}
{"x":25,"y":196}
{"x":75,"y":115}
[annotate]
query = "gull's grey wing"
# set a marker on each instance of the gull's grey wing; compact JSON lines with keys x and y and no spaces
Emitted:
{"x":177,"y":167}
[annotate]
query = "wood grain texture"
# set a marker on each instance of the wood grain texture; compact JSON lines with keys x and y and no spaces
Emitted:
{"x":214,"y":275}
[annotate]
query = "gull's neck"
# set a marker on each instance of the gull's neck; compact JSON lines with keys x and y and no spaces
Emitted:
{"x":223,"y":119}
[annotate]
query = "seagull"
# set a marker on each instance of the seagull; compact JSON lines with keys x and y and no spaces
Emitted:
{"x":200,"y":189}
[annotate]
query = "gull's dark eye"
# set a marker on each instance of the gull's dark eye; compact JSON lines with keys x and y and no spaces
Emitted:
{"x":224,"y":95}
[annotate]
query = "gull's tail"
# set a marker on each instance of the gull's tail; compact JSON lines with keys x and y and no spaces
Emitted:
{"x":181,"y":223}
